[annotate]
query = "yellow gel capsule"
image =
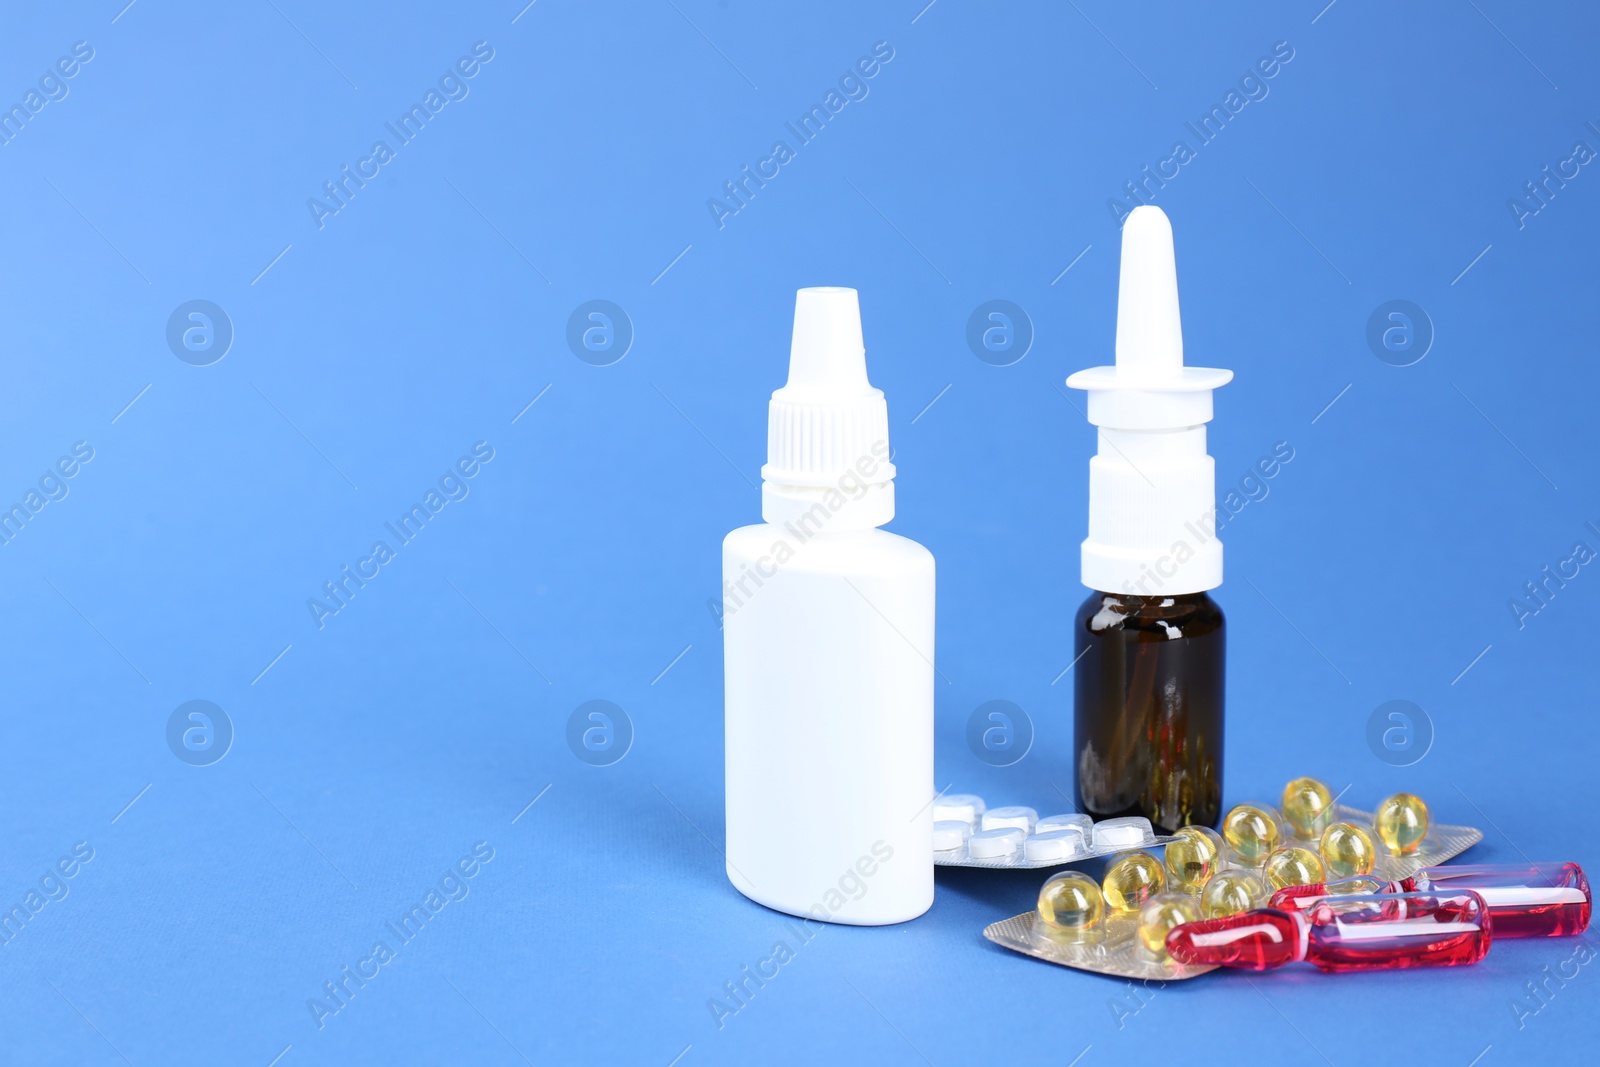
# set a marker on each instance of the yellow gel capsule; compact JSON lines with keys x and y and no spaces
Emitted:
{"x":1160,"y":914}
{"x":1294,"y":866}
{"x":1307,"y":807}
{"x":1193,"y":855}
{"x":1347,"y":850}
{"x":1131,"y":880}
{"x":1230,"y":892}
{"x":1402,"y":823}
{"x":1071,"y":906}
{"x":1251,"y":833}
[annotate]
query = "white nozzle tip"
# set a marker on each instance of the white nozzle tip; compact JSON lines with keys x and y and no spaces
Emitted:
{"x":827,"y":353}
{"x":1149,"y":331}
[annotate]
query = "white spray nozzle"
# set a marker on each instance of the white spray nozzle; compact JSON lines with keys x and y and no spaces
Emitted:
{"x":827,"y":359}
{"x":1152,"y":487}
{"x":1149,"y":388}
{"x":1149,"y":334}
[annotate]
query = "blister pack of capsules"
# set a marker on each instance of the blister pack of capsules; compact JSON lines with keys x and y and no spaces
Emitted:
{"x":1438,"y":843}
{"x":1119,"y":926}
{"x":1118,"y":950}
{"x":967,"y":833}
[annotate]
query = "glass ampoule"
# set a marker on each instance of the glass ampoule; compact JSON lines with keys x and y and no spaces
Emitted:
{"x":1524,"y":899}
{"x":1357,"y":933}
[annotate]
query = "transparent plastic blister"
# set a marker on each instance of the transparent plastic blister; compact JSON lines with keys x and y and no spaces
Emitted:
{"x":1113,"y":946}
{"x":1441,"y":843}
{"x":1116,"y":951}
{"x":968,"y":833}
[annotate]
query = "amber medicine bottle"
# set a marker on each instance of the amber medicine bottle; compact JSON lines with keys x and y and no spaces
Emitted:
{"x":1149,"y":641}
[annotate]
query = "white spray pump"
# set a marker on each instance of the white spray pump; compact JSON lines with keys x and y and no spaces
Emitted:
{"x":1152,"y":487}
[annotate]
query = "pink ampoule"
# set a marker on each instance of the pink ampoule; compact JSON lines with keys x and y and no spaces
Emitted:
{"x":1352,"y":933}
{"x":1302,"y":897}
{"x":1526,"y":900}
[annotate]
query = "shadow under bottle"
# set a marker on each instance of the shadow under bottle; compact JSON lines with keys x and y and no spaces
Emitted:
{"x":1149,"y":708}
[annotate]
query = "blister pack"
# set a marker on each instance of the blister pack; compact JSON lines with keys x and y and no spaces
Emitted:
{"x":1438,"y":844}
{"x":1118,"y":927}
{"x":967,"y":833}
{"x":1117,"y":952}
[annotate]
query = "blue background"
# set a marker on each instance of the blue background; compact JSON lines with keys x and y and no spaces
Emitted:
{"x":432,"y":308}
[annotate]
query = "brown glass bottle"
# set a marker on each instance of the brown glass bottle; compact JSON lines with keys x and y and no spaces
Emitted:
{"x":1149,"y":702}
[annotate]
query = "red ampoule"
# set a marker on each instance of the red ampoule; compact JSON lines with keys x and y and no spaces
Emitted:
{"x":1256,"y":940}
{"x":1353,"y":933}
{"x":1302,"y":897}
{"x":1526,"y":900}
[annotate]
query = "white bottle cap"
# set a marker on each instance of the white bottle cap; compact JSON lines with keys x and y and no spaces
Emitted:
{"x":828,"y":428}
{"x":1152,"y":487}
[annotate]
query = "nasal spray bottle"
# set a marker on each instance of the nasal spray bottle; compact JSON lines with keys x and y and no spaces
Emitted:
{"x":828,"y":649}
{"x":1149,"y":640}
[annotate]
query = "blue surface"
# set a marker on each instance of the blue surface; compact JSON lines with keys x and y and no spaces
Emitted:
{"x":370,"y":755}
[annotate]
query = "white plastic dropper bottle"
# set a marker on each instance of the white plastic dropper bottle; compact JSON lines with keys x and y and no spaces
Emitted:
{"x":828,"y":642}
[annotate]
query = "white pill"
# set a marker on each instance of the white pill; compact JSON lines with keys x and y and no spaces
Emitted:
{"x":1015,"y":817}
{"x":950,"y":834}
{"x":1055,"y":846}
{"x":1051,"y":823}
{"x":1122,"y":833}
{"x":958,"y":807}
{"x":995,"y":844}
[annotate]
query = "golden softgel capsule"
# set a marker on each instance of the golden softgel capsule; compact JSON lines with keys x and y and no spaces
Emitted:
{"x":1307,"y":807}
{"x":1193,"y":856}
{"x":1132,"y":878}
{"x":1347,"y":850}
{"x":1251,"y":833}
{"x":1160,"y":914}
{"x":1071,"y":906}
{"x":1402,"y":823}
{"x":1294,"y":866}
{"x":1230,"y":892}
